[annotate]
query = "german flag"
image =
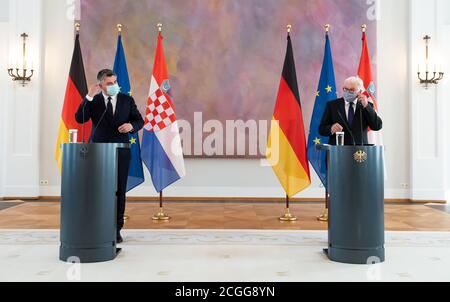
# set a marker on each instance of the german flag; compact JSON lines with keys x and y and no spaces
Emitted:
{"x":286,"y":148}
{"x":76,"y":90}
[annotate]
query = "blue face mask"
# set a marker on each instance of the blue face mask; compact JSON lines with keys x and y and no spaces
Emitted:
{"x":113,"y":90}
{"x":350,"y":96}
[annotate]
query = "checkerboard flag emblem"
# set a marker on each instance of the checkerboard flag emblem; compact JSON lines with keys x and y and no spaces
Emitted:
{"x":160,"y":113}
{"x":161,"y":151}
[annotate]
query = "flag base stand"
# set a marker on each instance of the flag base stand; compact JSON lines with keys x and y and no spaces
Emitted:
{"x":288,"y":217}
{"x":161,"y":216}
{"x":324,"y":216}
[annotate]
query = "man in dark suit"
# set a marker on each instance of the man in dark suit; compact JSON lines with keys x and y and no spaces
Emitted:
{"x":353,"y":114}
{"x":113,"y":116}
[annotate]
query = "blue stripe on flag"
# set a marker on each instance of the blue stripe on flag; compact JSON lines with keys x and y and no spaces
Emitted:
{"x":158,"y":163}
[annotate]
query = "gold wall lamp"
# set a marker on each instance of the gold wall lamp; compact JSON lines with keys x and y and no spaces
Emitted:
{"x":437,"y":76}
{"x":23,"y":75}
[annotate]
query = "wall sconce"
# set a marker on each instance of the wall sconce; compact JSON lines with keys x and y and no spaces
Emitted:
{"x":427,"y":81}
{"x":22,"y":75}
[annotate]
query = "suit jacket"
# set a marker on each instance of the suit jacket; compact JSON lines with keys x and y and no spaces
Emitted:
{"x":365,"y":118}
{"x":107,"y":128}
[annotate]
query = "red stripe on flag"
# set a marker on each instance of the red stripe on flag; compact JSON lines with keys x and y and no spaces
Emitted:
{"x":365,"y":68}
{"x":72,"y":101}
{"x":159,"y":67}
{"x":290,"y":118}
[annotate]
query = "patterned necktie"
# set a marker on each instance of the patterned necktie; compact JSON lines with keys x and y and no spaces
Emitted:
{"x":351,"y":114}
{"x":110,"y":106}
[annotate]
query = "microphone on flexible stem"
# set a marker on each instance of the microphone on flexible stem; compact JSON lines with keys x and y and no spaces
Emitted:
{"x":83,"y":126}
{"x":98,"y":124}
{"x":349,"y":130}
{"x":360,"y":121}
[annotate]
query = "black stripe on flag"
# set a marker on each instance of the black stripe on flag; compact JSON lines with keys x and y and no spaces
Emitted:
{"x":289,"y":73}
{"x":77,"y":73}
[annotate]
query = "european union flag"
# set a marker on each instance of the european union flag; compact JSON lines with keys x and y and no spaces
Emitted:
{"x":136,"y":171}
{"x":325,"y":93}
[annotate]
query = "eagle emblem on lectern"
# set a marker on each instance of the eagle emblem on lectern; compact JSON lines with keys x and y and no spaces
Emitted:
{"x":360,"y":156}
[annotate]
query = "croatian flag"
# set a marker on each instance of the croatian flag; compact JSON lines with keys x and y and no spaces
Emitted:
{"x":161,"y":149}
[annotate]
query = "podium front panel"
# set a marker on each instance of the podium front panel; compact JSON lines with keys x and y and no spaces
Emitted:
{"x":88,"y":202}
{"x":356,"y":206}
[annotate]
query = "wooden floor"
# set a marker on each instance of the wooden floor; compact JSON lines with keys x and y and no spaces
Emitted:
{"x":399,"y":217}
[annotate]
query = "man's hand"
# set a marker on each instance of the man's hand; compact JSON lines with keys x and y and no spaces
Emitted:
{"x":336,"y":128}
{"x":126,"y":128}
{"x":94,"y":90}
{"x":363,"y":99}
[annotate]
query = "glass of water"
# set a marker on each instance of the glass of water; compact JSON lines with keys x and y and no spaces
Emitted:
{"x":73,"y":136}
{"x":340,"y":138}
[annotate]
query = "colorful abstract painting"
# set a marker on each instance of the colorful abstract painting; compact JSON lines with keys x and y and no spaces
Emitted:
{"x":225,"y":58}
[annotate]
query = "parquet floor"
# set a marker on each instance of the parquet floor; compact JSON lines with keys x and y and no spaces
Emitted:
{"x":264,"y":216}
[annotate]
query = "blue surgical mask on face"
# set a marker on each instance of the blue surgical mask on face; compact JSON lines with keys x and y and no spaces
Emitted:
{"x":350,"y":96}
{"x":113,"y":90}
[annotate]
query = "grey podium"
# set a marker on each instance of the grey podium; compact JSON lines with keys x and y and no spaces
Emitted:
{"x":88,"y":202}
{"x":356,"y":204}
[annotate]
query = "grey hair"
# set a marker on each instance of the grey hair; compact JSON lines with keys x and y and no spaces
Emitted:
{"x":356,"y":81}
{"x":105,"y":73}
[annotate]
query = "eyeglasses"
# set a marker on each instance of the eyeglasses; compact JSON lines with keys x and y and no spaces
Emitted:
{"x":349,"y":90}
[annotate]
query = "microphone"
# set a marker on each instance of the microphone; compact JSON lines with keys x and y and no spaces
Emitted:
{"x":361,"y":107}
{"x":98,"y":124}
{"x":84,"y":122}
{"x":348,"y":129}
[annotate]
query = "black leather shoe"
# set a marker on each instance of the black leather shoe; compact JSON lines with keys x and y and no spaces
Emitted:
{"x":119,"y":238}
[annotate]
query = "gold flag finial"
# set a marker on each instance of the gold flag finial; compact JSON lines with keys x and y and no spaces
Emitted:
{"x":289,"y":28}
{"x":327,"y":27}
{"x":77,"y":27}
{"x":160,"y":27}
{"x":119,"y":28}
{"x":363,"y":28}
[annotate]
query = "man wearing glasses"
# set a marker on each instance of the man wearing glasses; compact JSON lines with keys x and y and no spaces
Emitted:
{"x":352,"y":114}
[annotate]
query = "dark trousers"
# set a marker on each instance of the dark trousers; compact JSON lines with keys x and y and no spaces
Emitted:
{"x":124,"y":164}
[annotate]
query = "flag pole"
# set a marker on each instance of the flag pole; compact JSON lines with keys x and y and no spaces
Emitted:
{"x":77,"y":32}
{"x":119,"y":32}
{"x":161,"y":216}
{"x":288,"y":216}
{"x":324,"y":216}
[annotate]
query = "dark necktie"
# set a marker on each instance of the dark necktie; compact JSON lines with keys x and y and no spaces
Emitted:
{"x":351,"y":114}
{"x":110,"y":107}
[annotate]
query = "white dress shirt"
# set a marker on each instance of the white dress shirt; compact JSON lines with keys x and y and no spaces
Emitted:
{"x":105,"y":98}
